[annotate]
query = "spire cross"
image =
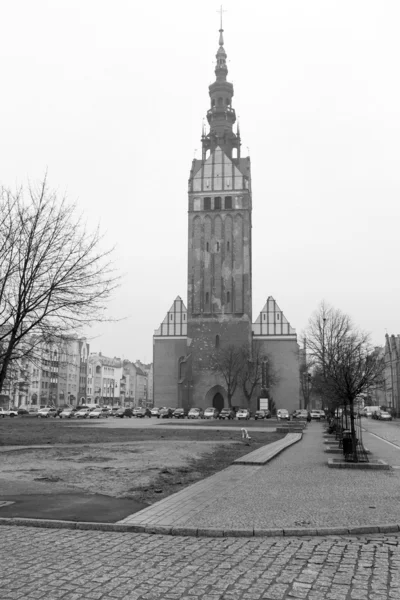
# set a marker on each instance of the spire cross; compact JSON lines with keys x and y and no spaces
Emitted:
{"x":220,"y":12}
{"x":221,"y":38}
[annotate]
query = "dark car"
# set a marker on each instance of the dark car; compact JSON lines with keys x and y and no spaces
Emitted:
{"x":141,"y":412}
{"x":262,"y":414}
{"x":123,"y":412}
{"x":166,"y":413}
{"x":23,"y":411}
{"x":180,"y":413}
{"x":226,"y":413}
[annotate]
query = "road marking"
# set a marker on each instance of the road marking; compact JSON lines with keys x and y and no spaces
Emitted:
{"x":5,"y":503}
{"x":383,"y":439}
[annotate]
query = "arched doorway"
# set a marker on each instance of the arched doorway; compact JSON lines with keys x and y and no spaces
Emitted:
{"x":216,"y":397}
{"x":218,"y":401}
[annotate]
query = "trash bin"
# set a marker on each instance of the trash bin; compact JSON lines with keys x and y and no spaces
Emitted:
{"x":347,"y":442}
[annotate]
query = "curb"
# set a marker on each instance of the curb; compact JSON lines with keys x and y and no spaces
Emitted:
{"x":202,"y":532}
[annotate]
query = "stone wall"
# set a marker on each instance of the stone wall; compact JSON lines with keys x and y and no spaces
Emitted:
{"x":166,"y":354}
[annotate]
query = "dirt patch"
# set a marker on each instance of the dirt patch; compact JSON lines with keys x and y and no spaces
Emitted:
{"x":145,"y":471}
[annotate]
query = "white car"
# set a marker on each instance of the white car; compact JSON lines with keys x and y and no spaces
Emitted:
{"x":98,"y":412}
{"x":45,"y":413}
{"x":315,"y":414}
{"x":67,"y":413}
{"x":243,"y":413}
{"x":282,"y":413}
{"x":195,"y":413}
{"x":82,"y":413}
{"x":8,"y":413}
{"x":211,"y":413}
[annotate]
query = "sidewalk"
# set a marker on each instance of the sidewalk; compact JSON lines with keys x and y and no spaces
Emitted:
{"x":296,"y":490}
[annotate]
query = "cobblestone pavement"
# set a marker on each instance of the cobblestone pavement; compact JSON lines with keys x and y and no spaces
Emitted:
{"x":58,"y":564}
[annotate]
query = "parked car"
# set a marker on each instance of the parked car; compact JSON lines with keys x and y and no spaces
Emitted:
{"x":262,"y":414}
{"x":124,"y":412}
{"x":282,"y":413}
{"x":195,"y":413}
{"x":384,"y":416}
{"x":98,"y":413}
{"x":180,"y":413}
{"x":227,"y":413}
{"x":243,"y":413}
{"x":166,"y":413}
{"x":315,"y":415}
{"x":300,"y":415}
{"x":45,"y":413}
{"x":22,"y":411}
{"x":155,"y":411}
{"x":211,"y":413}
{"x":83,"y":413}
{"x":67,"y":413}
{"x":11,"y":412}
{"x":141,"y":412}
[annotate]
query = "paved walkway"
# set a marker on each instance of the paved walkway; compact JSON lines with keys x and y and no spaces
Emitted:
{"x":294,"y":493}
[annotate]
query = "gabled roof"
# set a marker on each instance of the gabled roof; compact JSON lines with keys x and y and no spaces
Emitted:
{"x":175,"y":321}
{"x":219,"y":173}
{"x":272,"y":322}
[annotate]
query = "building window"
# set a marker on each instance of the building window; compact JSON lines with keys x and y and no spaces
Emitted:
{"x":217,"y":203}
{"x":228,"y":201}
{"x":228,"y":246}
{"x":171,"y":317}
{"x":207,"y":298}
{"x":207,"y":203}
{"x":277,"y":317}
{"x":217,"y":246}
{"x":207,"y":246}
{"x":228,"y":297}
{"x":217,"y":341}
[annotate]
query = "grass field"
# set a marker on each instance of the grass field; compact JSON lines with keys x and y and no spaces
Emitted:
{"x":30,"y":432}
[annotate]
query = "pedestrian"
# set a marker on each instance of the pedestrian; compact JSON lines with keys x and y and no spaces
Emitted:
{"x":308,"y":417}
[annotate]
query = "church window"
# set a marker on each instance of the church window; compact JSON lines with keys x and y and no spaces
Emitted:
{"x":277,"y":317}
{"x":207,"y":246}
{"x":213,"y":102}
{"x":227,"y":101}
{"x":184,"y":317}
{"x":228,"y":201}
{"x":228,"y":246}
{"x":217,"y":341}
{"x":264,"y":316}
{"x":171,"y":316}
{"x":220,"y":101}
{"x":228,"y":297}
{"x":207,"y":203}
{"x":217,"y":203}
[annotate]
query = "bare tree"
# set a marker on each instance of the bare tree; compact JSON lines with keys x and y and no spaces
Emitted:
{"x":228,"y":362}
{"x":347,"y":363}
{"x":54,"y":277}
{"x":257,"y":372}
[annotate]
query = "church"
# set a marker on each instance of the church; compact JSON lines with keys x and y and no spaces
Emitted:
{"x":219,"y":284}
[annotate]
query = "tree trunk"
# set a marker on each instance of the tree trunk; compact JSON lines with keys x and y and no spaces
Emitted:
{"x":353,"y":432}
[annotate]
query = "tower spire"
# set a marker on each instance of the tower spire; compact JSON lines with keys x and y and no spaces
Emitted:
{"x":221,"y":31}
{"x":221,"y":115}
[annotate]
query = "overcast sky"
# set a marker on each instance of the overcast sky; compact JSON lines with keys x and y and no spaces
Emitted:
{"x":109,"y":97}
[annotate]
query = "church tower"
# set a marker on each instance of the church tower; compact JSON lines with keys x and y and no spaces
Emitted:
{"x":219,"y":245}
